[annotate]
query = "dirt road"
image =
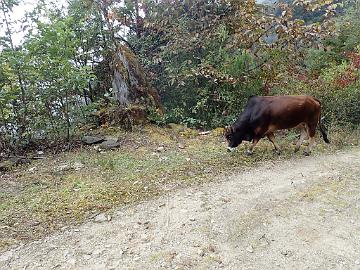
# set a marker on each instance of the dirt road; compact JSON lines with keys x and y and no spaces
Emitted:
{"x":297,"y":214}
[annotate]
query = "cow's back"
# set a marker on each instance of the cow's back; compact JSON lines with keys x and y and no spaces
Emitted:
{"x":270,"y":113}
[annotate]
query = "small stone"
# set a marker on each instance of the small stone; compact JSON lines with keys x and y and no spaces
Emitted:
{"x":201,"y":253}
{"x":144,"y":237}
{"x":192,"y":219}
{"x":33,"y":169}
{"x":72,"y":261}
{"x":250,"y":249}
{"x":163,"y":159}
{"x":87,"y":257}
{"x":78,"y":166}
{"x":97,"y":252}
{"x":102,"y":218}
{"x":181,"y":146}
{"x":64,"y":167}
{"x":211,"y":248}
{"x":160,"y":149}
{"x":66,"y":253}
{"x":357,"y":262}
{"x":286,"y":253}
{"x":40,"y":153}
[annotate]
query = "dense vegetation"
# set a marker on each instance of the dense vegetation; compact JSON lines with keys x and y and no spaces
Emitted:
{"x":101,"y":62}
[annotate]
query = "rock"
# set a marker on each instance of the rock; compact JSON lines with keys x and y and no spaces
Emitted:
{"x":32,"y":169}
{"x":211,"y":248}
{"x":87,"y":257}
{"x":357,"y":262}
{"x":201,"y":252}
{"x":66,"y":253}
{"x":64,"y":167}
{"x":162,"y":159}
{"x":109,"y":144}
{"x":40,"y":153}
{"x":102,"y":218}
{"x":144,"y":237}
{"x":98,"y":251}
{"x":160,"y":149}
{"x":92,"y":140}
{"x":250,"y":249}
{"x":111,"y":138}
{"x":77,"y":166}
{"x":205,"y":133}
{"x":286,"y":253}
{"x":181,"y":146}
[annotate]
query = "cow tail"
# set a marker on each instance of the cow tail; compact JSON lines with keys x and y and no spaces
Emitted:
{"x":322,"y":126}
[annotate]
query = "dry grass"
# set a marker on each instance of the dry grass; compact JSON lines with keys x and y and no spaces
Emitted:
{"x":38,"y":201}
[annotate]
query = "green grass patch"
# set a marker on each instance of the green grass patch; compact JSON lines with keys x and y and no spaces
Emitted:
{"x":36,"y":203}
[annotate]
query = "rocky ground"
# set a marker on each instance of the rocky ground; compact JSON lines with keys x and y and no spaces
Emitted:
{"x":295,"y":214}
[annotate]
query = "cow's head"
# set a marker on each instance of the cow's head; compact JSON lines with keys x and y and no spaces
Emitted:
{"x":235,"y":137}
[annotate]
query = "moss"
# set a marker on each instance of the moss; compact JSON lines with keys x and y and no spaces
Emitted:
{"x":189,"y":133}
{"x":218,"y":131}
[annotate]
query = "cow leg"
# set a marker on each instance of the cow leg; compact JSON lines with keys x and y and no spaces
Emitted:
{"x":271,"y":138}
{"x":303,"y":135}
{"x":311,"y":133}
{"x":254,"y":143}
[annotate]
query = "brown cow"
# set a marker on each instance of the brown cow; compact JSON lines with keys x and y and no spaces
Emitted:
{"x":263,"y":115}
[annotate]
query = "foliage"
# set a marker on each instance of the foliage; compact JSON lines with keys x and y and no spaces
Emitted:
{"x":97,"y":60}
{"x":207,"y":58}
